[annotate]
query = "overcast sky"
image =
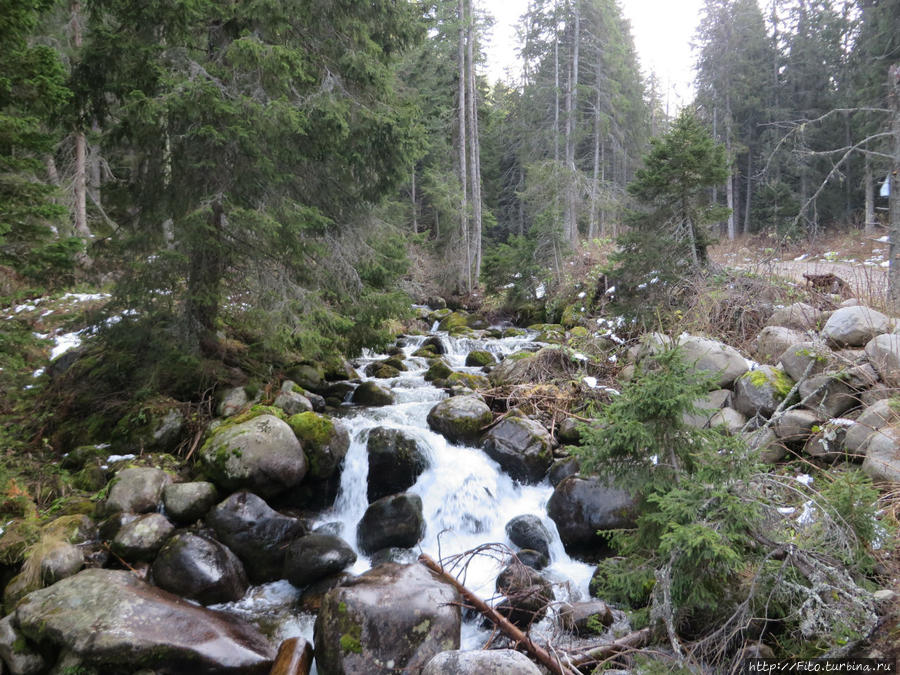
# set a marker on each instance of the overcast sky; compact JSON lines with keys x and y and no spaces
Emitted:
{"x":662,"y":30}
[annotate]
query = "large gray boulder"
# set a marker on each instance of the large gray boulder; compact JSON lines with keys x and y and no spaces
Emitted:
{"x":481,"y":662}
{"x":395,"y":462}
{"x":761,"y":391}
{"x":521,"y":446}
{"x":187,"y":502}
{"x":773,"y":340}
{"x":137,"y":490}
{"x":394,"y":618}
{"x":884,"y":355}
{"x":854,"y":326}
{"x":796,"y":359}
{"x":232,"y":402}
{"x":114,"y":622}
{"x":393,"y":521}
{"x":874,"y":418}
{"x":200,"y":568}
{"x":798,"y":316}
{"x":372,"y":394}
{"x":828,"y":395}
{"x":713,"y":359}
{"x":460,"y":418}
{"x":258,"y":534}
{"x":61,"y":560}
{"x":316,"y":556}
{"x":882,"y":460}
{"x":794,"y":427}
{"x":262,"y":455}
{"x":581,"y":506}
{"x":140,"y":539}
{"x":707,"y":407}
{"x":527,"y":594}
{"x":527,"y":531}
{"x":20,"y":657}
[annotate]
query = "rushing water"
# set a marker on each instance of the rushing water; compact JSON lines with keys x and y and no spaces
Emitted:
{"x":467,"y":500}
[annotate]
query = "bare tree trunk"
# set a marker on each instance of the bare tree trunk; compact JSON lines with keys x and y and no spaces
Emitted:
{"x":571,"y":220}
{"x":465,"y":279}
{"x":80,"y":181}
{"x":474,"y":153}
{"x":715,"y":188}
{"x":556,"y":98}
{"x":95,"y":180}
{"x":412,"y":195}
{"x":729,"y":183}
{"x":870,"y":197}
{"x":595,"y":183}
{"x":894,"y":210}
{"x":749,"y":191}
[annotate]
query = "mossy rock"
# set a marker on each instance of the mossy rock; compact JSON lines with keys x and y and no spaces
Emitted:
{"x":396,"y":362}
{"x":761,"y":391}
{"x":325,"y":442}
{"x":425,"y":353}
{"x":439,"y":314}
{"x":572,"y":315}
{"x":454,"y":322}
{"x":470,"y":380}
{"x":480,"y":358}
{"x":514,"y":332}
{"x":18,"y":536}
{"x":91,"y":478}
{"x":551,"y":337}
{"x":438,"y":371}
{"x":578,"y":332}
{"x":382,"y":370}
{"x":308,"y":375}
{"x":80,"y":456}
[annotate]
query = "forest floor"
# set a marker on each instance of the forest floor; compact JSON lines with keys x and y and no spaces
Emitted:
{"x":859,"y":259}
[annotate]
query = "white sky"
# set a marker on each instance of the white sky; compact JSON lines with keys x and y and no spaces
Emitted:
{"x":662,"y":30}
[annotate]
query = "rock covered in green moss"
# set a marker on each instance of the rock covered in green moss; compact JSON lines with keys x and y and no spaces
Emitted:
{"x":325,"y":442}
{"x":471,"y":381}
{"x":760,"y":391}
{"x":521,"y":446}
{"x":437,"y":371}
{"x":393,"y":618}
{"x":372,"y":394}
{"x":460,"y":418}
{"x":262,"y":455}
{"x":382,"y":370}
{"x":480,"y":358}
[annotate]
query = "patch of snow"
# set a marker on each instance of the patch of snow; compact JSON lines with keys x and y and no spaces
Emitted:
{"x":118,"y":458}
{"x":786,"y":510}
{"x":509,"y":285}
{"x":540,"y":291}
{"x":85,"y":297}
{"x":610,"y":290}
{"x":801,"y":258}
{"x":751,"y":364}
{"x":886,"y":239}
{"x":581,"y":295}
{"x":886,"y":263}
{"x":641,"y":286}
{"x":841,"y":422}
{"x":24,"y":308}
{"x":64,"y":343}
{"x":578,"y":356}
{"x":654,"y":459}
{"x":612,"y":358}
{"x":38,"y":372}
{"x":804,"y":479}
{"x":654,"y":280}
{"x":47,"y":313}
{"x":590,"y":381}
{"x":809,"y":514}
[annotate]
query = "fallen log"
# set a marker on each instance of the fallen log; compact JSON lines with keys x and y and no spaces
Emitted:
{"x":536,"y":651}
{"x":634,"y":640}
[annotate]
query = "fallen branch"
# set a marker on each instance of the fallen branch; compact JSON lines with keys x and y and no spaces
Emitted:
{"x":539,"y":653}
{"x":629,"y":642}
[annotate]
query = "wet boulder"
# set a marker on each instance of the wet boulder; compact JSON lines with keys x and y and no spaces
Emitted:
{"x":295,"y":657}
{"x":137,"y":490}
{"x":395,"y":462}
{"x":382,"y":370}
{"x":395,"y":520}
{"x":521,"y":446}
{"x":291,"y":401}
{"x":587,"y":618}
{"x":437,"y":371}
{"x":480,"y":358}
{"x":481,"y":662}
{"x":20,"y":657}
{"x":316,"y":556}
{"x":140,"y":539}
{"x":884,"y":354}
{"x":114,"y":622}
{"x":394,"y":618}
{"x":372,"y":394}
{"x":569,"y":431}
{"x":527,"y":594}
{"x":60,"y":561}
{"x":325,"y":442}
{"x":581,"y":506}
{"x":200,"y":568}
{"x":713,"y":359}
{"x":258,"y":534}
{"x":187,"y":502}
{"x":460,"y":418}
{"x":761,"y":391}
{"x":529,"y":532}
{"x":261,"y":454}
{"x":854,"y":326}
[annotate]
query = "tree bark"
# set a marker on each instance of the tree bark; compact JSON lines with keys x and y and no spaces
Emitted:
{"x":870,"y":197}
{"x":80,"y":180}
{"x":412,"y":196}
{"x":571,"y":220}
{"x":749,"y":192}
{"x":595,"y":184}
{"x":474,"y":152}
{"x":464,"y":277}
{"x":894,"y":203}
{"x":205,"y":270}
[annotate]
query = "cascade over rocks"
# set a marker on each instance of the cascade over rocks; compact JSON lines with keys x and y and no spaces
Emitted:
{"x":395,"y":462}
{"x":580,"y":506}
{"x":200,"y":568}
{"x":394,"y":618}
{"x":110,"y":619}
{"x":258,"y":534}
{"x":262,"y":455}
{"x":521,"y":446}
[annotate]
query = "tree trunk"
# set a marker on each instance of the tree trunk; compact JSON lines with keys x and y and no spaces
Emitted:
{"x":474,"y":153}
{"x":556,"y":98}
{"x":466,"y":267}
{"x":870,"y":197}
{"x":571,"y":219}
{"x":894,"y":210}
{"x":729,"y":183}
{"x":748,"y":192}
{"x":205,"y":270}
{"x":80,"y":180}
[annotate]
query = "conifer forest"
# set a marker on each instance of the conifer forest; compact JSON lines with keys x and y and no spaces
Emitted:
{"x":325,"y":349}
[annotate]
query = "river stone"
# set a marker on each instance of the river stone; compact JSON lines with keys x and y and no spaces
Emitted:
{"x":773,"y":340}
{"x":855,"y":326}
{"x":562,"y":469}
{"x":760,"y":391}
{"x":325,"y":442}
{"x":833,"y":396}
{"x":707,"y":406}
{"x":308,"y":375}
{"x":882,"y":462}
{"x":798,"y":316}
{"x":316,"y":556}
{"x":729,"y":419}
{"x":875,"y":417}
{"x":479,"y":358}
{"x":114,"y":621}
{"x":295,"y":657}
{"x":137,"y":490}
{"x":587,"y":618}
{"x":481,"y":662}
{"x":372,"y":394}
{"x":20,"y":658}
{"x":233,"y":401}
{"x":884,"y":354}
{"x":382,"y":370}
{"x":795,"y":426}
{"x":527,"y":593}
{"x":797,"y":358}
{"x":61,"y":561}
{"x":395,"y":462}
{"x":395,"y":520}
{"x":569,"y":431}
{"x":438,"y":370}
{"x":529,"y":532}
{"x":522,"y":448}
{"x":827,"y":444}
{"x":394,"y":618}
{"x":140,"y":539}
{"x":293,"y":403}
{"x":262,"y":455}
{"x":581,"y":506}
{"x":187,"y":502}
{"x":460,"y":418}
{"x":713,"y":359}
{"x":200,"y":568}
{"x":766,"y":444}
{"x":258,"y":534}
{"x":435,"y":345}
